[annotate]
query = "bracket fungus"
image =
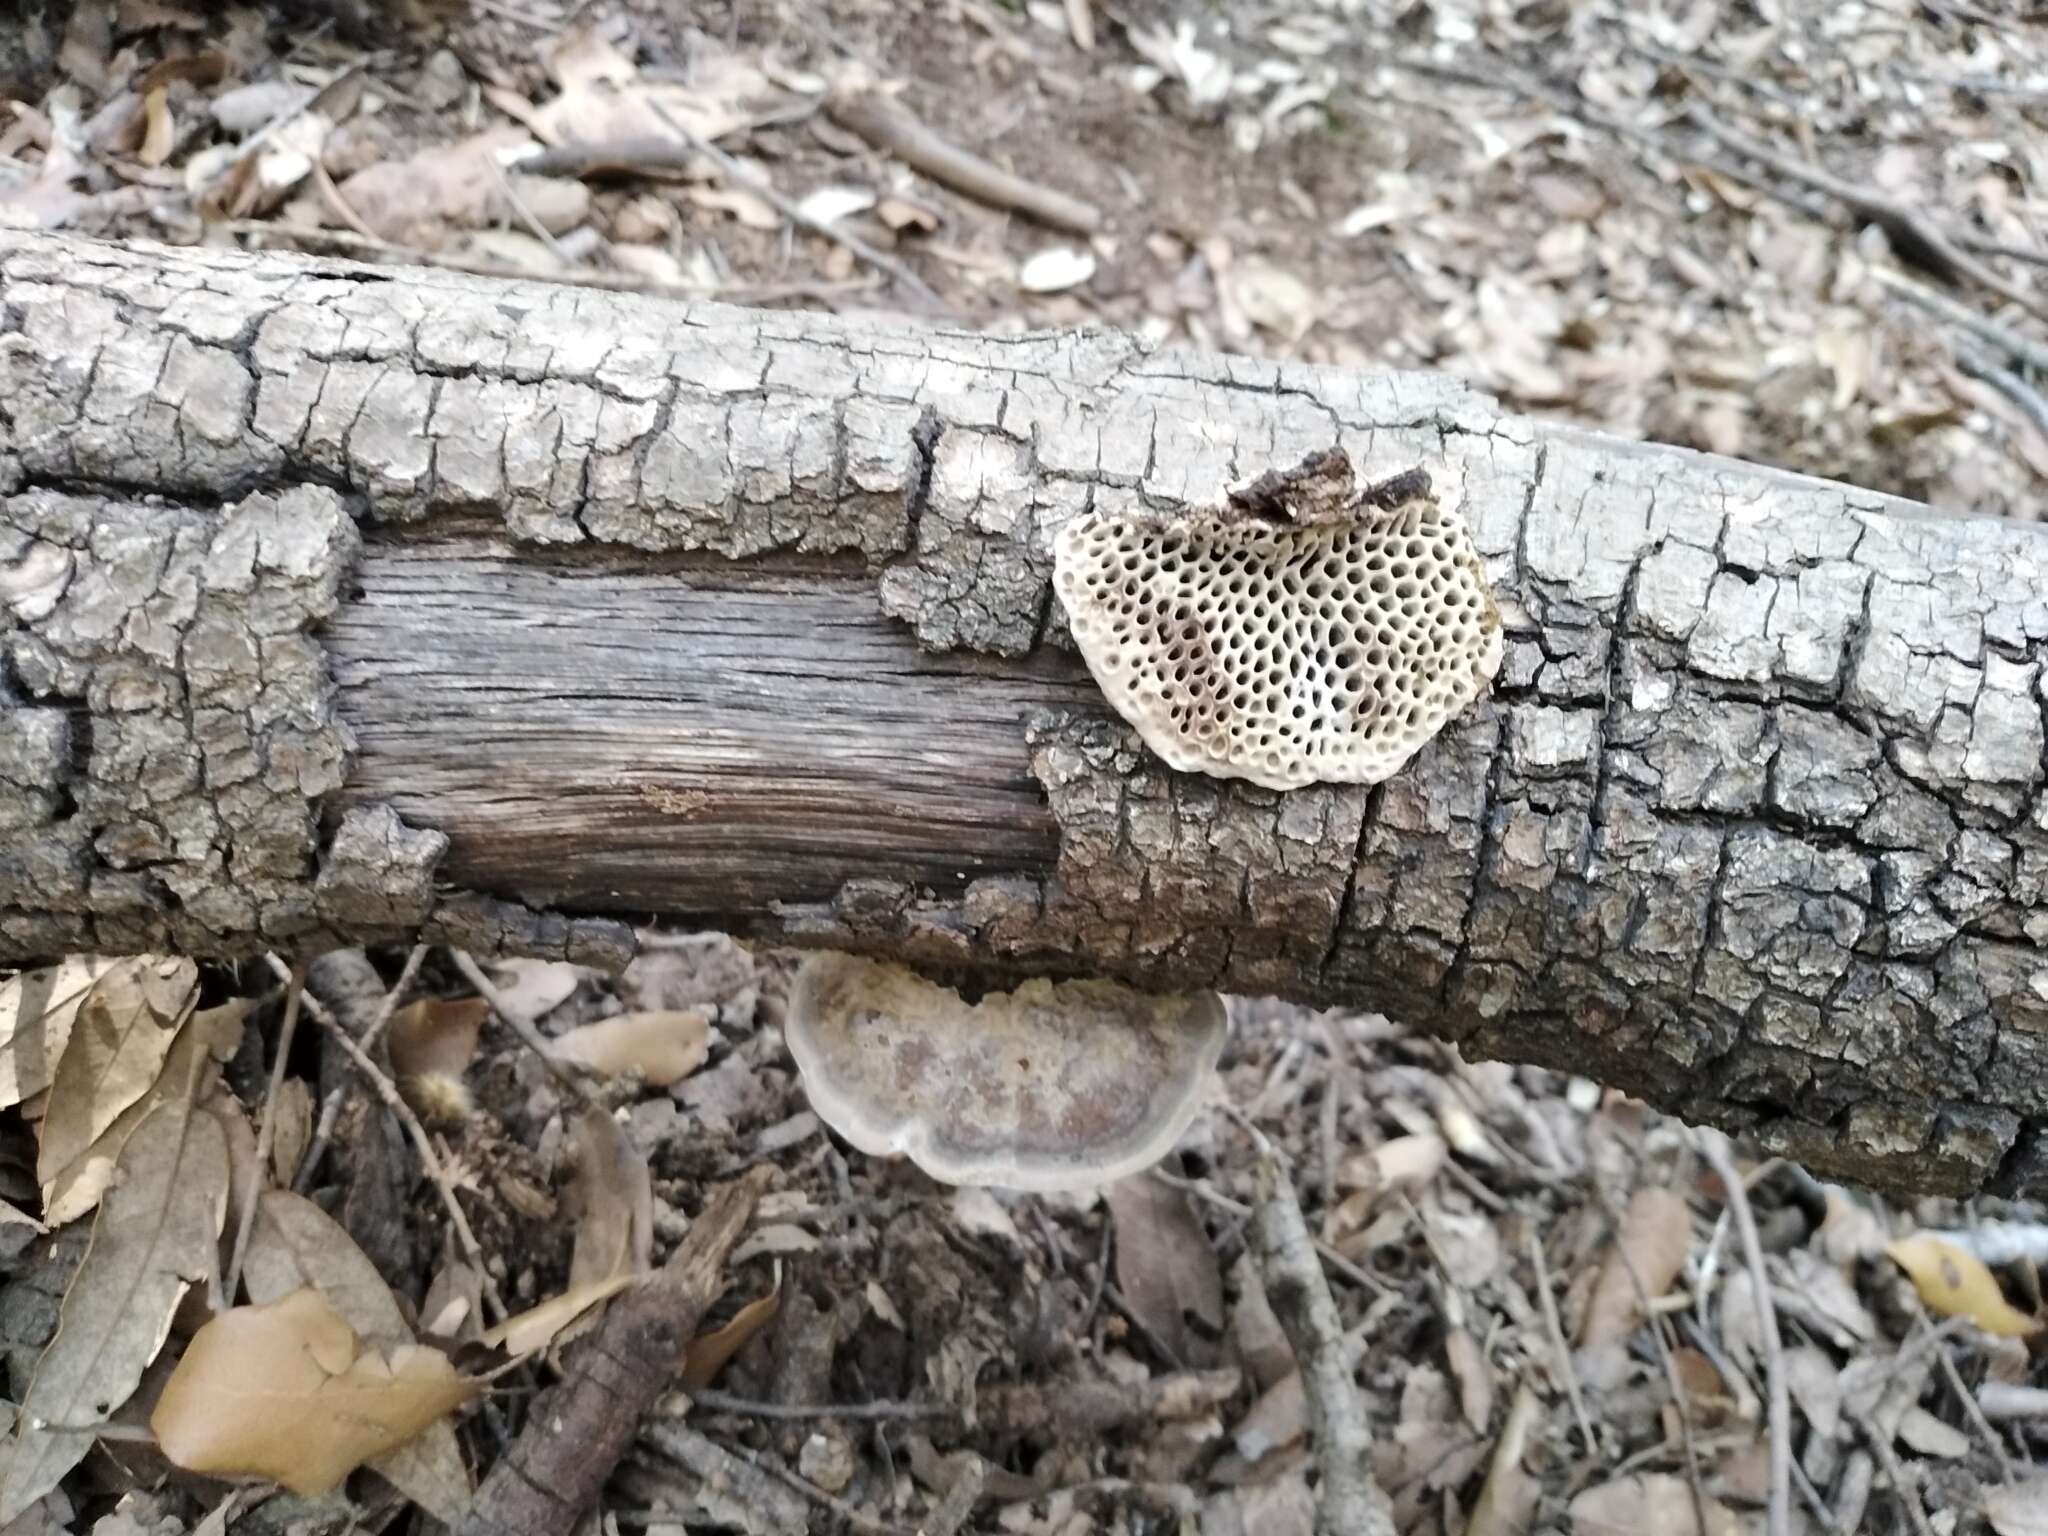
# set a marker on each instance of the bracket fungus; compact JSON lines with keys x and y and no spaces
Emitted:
{"x":1057,"y":1085}
{"x":1304,"y":632}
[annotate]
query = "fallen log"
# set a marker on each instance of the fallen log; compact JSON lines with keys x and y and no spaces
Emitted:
{"x":349,"y":604}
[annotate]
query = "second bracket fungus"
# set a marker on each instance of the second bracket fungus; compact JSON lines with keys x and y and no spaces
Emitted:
{"x":1304,"y":633}
{"x":1057,"y":1085}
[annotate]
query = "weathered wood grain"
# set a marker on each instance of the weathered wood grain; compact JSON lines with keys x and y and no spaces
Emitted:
{"x":347,"y":604}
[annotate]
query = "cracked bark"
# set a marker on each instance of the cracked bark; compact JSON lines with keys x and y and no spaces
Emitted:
{"x":344,"y":605}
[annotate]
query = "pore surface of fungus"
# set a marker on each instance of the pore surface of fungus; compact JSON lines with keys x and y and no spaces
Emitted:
{"x":1056,"y":1085}
{"x":1327,"y":648}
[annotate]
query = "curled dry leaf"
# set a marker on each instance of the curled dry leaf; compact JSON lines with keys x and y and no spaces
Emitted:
{"x":117,"y":1047}
{"x":1656,"y":1231}
{"x":288,"y":1391}
{"x":663,"y":1047}
{"x":615,"y":1199}
{"x":536,"y":1328}
{"x":1954,"y":1282}
{"x":705,"y":1356}
{"x":295,"y":1246}
{"x":37,"y":1010}
{"x":158,"y":1226}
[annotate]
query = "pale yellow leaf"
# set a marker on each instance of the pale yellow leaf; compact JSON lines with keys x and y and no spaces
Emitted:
{"x":705,"y":1356}
{"x":664,"y":1046}
{"x":295,"y":1246}
{"x":156,"y":1232}
{"x":124,"y":1031}
{"x":160,"y":133}
{"x":1956,"y":1283}
{"x":287,"y":1391}
{"x":37,"y":1009}
{"x":538,"y":1327}
{"x":208,"y":1039}
{"x":1656,"y":1231}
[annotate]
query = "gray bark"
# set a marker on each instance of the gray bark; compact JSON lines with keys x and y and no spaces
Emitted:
{"x":353,"y":604}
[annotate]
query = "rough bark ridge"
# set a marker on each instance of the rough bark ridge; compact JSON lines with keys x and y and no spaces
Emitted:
{"x":346,"y":604}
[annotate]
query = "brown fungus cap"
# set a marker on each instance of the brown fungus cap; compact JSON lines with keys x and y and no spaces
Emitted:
{"x":1325,"y":649}
{"x":1057,"y":1085}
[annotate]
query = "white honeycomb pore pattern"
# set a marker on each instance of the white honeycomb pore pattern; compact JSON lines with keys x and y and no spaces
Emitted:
{"x":1284,"y":655}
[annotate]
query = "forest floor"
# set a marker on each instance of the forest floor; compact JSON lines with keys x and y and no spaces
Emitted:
{"x":1804,"y":233}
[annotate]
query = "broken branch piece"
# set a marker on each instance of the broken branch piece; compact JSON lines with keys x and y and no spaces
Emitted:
{"x":1057,"y":1085}
{"x":1281,"y":639}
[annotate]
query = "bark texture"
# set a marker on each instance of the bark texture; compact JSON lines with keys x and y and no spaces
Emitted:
{"x":348,"y":604}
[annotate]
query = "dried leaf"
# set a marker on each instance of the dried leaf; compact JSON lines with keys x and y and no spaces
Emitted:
{"x":436,"y":1034}
{"x":1404,"y":1162}
{"x":157,"y":1228}
{"x":288,"y":1391}
{"x":1474,"y":1376}
{"x":535,"y":987}
{"x":615,"y":1200}
{"x":1924,"y":1433}
{"x":209,"y":1038}
{"x":1165,"y":1264}
{"x":296,"y":1246}
{"x":1956,"y":1283}
{"x":2018,"y":1509}
{"x":37,"y":1009}
{"x":538,"y":1327}
{"x":705,"y":1356}
{"x":117,"y":1047}
{"x":828,"y":205}
{"x":663,"y":1047}
{"x":750,"y":208}
{"x":291,"y":1129}
{"x":1656,"y":1501}
{"x":1656,"y":1231}
{"x":160,"y":133}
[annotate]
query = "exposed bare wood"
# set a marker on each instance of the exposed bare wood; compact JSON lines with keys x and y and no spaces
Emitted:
{"x":357,"y":604}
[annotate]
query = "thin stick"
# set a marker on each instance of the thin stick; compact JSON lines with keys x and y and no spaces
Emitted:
{"x":1971,"y":1410}
{"x":733,"y":173}
{"x":266,"y":1131}
{"x":2022,"y":348}
{"x":1917,"y":238}
{"x":521,"y":1025}
{"x":1350,"y":1501}
{"x":890,"y":128}
{"x":2009,"y":384}
{"x":390,"y":1004}
{"x":1715,"y":1150}
{"x":1904,"y":1490}
{"x":330,"y":1112}
{"x":387,"y":1090}
{"x":1555,"y":1329}
{"x":755,"y":1408}
{"x":1330,"y":1256}
{"x":525,"y":214}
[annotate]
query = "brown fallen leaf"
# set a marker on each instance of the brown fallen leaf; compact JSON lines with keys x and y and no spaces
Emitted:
{"x":288,"y":1391}
{"x":615,"y":1201}
{"x":37,"y":1010}
{"x":124,"y":1031}
{"x":158,"y":1225}
{"x":1655,"y":1233}
{"x":663,"y":1047}
{"x":1956,"y":1283}
{"x":295,"y":1246}
{"x":536,"y":1328}
{"x":208,"y":1039}
{"x":1657,"y":1502}
{"x":160,"y":135}
{"x":706,"y":1355}
{"x":1166,"y":1265}
{"x":436,"y":1034}
{"x":291,"y":1130}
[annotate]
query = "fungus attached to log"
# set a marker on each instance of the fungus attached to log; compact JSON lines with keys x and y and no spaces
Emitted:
{"x":1057,"y":1085}
{"x":1285,"y":639}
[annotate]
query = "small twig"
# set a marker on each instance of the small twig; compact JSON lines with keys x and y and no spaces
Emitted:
{"x":330,"y":1107}
{"x":389,"y":1006}
{"x":387,"y":1090}
{"x":1336,"y":1261}
{"x":525,"y":214}
{"x":1555,"y":1329}
{"x":890,"y":128}
{"x":1349,"y":1501}
{"x":1915,"y":237}
{"x":2021,"y":348}
{"x":737,"y":176}
{"x":857,"y":1520}
{"x":1971,"y":1411}
{"x":1777,"y":1389}
{"x":338,"y":205}
{"x":1902,"y":1487}
{"x":756,"y":1408}
{"x":2023,"y":395}
{"x":266,"y":1132}
{"x":523,"y":1026}
{"x":330,"y":1113}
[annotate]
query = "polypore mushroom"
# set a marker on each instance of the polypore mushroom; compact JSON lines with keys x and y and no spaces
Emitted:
{"x":1057,"y":1085}
{"x":1300,"y":634}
